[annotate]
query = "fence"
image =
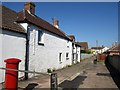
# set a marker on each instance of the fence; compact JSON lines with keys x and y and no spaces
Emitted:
{"x":114,"y":60}
{"x":85,"y":56}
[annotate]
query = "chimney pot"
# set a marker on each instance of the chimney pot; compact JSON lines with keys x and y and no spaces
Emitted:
{"x":30,"y":6}
{"x":56,"y":23}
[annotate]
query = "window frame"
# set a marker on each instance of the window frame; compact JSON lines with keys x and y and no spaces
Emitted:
{"x":67,"y":56}
{"x":40,"y":37}
{"x":60,"y":57}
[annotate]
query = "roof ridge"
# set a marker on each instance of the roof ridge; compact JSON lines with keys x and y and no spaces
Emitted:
{"x":9,"y":18}
{"x":52,"y":25}
{"x":38,"y":21}
{"x":8,"y":8}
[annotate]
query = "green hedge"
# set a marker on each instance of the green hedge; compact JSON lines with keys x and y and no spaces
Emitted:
{"x":86,"y":51}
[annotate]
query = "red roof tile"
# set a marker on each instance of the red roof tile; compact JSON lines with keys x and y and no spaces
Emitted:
{"x":77,"y":44}
{"x":83,"y":45}
{"x":115,"y":48}
{"x":72,"y":37}
{"x":97,"y":47}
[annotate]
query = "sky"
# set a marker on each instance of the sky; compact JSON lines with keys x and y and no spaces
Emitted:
{"x":87,"y":21}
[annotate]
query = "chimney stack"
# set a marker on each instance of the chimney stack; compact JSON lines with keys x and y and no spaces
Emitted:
{"x":30,"y":7}
{"x":56,"y":23}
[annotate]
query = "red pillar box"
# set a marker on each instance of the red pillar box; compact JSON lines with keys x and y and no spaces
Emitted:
{"x":11,"y":77}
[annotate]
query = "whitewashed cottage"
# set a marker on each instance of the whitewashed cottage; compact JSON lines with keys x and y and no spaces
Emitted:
{"x":75,"y":50}
{"x":43,"y":45}
{"x":12,"y":40}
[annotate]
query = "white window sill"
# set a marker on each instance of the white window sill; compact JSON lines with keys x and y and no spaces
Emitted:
{"x":67,"y":58}
{"x":40,"y":43}
{"x":60,"y":62}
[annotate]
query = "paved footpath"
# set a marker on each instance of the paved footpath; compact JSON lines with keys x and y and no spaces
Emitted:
{"x":82,"y":75}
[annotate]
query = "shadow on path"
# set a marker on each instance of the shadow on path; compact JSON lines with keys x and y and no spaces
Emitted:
{"x":104,"y":74}
{"x":74,"y":84}
{"x":114,"y":73}
{"x":31,"y":86}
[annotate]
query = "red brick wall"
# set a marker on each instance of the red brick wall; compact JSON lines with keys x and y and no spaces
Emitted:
{"x":101,"y":56}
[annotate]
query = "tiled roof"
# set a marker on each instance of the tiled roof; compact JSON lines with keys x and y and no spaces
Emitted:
{"x":97,"y":47}
{"x":8,"y":20}
{"x":83,"y":44}
{"x":115,"y":48}
{"x":72,"y":37}
{"x":77,"y":44}
{"x":25,"y":16}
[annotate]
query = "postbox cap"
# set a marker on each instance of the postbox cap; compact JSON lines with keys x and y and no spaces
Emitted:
{"x":12,"y":60}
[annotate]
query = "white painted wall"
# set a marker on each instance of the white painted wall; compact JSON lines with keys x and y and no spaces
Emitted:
{"x":105,"y":49}
{"x":100,"y":50}
{"x":97,"y":51}
{"x":85,"y":56}
{"x":44,"y":57}
{"x":1,"y":61}
{"x":78,"y":52}
{"x":13,"y":46}
{"x":74,"y":54}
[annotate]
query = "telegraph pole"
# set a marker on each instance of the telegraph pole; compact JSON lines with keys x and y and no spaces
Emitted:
{"x":97,"y":45}
{"x":52,"y":20}
{"x":97,"y":48}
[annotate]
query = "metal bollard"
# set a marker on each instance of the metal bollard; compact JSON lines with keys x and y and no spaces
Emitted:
{"x":11,"y":76}
{"x":53,"y":81}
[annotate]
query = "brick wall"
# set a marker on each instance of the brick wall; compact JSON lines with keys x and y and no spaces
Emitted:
{"x":101,"y":56}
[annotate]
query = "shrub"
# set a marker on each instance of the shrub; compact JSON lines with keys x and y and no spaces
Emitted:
{"x":86,"y":51}
{"x":49,"y":70}
{"x":68,"y":65}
